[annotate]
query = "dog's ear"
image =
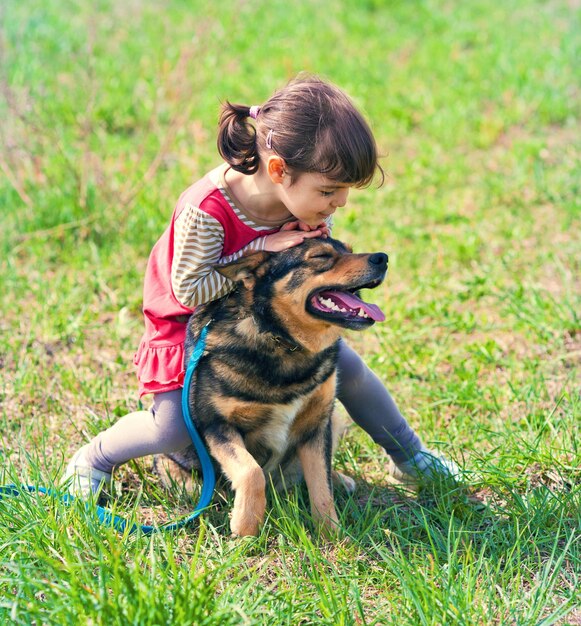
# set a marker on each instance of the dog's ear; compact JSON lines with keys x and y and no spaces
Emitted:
{"x":243,"y":270}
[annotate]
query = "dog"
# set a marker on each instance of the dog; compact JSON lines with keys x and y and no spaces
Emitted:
{"x":263,"y":392}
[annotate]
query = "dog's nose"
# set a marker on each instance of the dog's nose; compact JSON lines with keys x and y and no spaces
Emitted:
{"x":379,"y":258}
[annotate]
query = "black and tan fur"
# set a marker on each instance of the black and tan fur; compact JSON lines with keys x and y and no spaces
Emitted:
{"x":262,"y":395}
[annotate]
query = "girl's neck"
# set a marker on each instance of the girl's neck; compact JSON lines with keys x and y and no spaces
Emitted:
{"x":256,"y":195}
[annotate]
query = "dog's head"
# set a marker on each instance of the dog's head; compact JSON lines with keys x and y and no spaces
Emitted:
{"x":312,"y":286}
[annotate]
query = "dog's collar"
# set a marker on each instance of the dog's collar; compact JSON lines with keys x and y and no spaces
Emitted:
{"x":283,"y":342}
{"x":286,"y":344}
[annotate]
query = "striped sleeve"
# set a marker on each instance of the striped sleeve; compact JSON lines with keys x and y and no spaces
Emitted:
{"x":198,"y":244}
{"x":329,"y":222}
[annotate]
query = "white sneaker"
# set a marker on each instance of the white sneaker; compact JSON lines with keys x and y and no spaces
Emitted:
{"x":425,"y":467}
{"x":81,"y":479}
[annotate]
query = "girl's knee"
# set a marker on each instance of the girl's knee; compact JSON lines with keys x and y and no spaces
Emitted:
{"x":168,"y":421}
{"x":167,"y":408}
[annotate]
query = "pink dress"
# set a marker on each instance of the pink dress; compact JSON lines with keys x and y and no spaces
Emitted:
{"x":160,"y":356}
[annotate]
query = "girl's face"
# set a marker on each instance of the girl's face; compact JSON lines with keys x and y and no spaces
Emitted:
{"x":313,"y":197}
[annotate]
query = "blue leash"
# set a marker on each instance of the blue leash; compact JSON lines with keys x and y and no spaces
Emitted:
{"x":108,"y":518}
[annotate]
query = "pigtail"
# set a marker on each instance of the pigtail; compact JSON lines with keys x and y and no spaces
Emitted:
{"x":237,"y":138}
{"x":312,"y":125}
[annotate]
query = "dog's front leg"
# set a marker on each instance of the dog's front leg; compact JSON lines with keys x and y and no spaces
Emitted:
{"x":315,"y":458}
{"x":246,"y":476}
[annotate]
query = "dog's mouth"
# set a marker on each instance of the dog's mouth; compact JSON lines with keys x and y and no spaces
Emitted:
{"x":345,"y":306}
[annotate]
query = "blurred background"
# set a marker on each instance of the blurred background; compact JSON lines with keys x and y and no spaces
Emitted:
{"x":108,"y":111}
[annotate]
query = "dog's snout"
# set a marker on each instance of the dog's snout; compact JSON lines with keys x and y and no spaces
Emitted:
{"x":379,"y":258}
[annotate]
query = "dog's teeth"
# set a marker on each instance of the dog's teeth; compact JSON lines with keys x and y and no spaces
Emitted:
{"x":362,"y":313}
{"x":329,"y":304}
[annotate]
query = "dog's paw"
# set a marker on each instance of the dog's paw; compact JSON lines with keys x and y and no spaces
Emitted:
{"x":245,"y":524}
{"x":329,"y":529}
{"x":247,"y":517}
{"x":343,"y":481}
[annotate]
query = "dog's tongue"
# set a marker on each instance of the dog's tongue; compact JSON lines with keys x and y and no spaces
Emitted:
{"x":348,"y":300}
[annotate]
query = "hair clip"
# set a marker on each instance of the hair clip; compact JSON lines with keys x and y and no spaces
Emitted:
{"x":269,"y":139}
{"x":254,"y":111}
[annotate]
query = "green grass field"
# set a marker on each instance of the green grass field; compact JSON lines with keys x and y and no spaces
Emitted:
{"x":108,"y":111}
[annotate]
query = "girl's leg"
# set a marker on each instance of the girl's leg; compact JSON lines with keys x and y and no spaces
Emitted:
{"x":157,"y":431}
{"x":370,"y":405}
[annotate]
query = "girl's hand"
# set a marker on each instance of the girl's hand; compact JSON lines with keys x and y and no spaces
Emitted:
{"x":298,"y":225}
{"x":292,"y":234}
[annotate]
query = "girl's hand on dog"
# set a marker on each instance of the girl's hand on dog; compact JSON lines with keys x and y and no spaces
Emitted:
{"x":303,"y":226}
{"x":292,"y":234}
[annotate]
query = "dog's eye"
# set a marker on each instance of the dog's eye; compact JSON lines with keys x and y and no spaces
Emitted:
{"x":321,"y":255}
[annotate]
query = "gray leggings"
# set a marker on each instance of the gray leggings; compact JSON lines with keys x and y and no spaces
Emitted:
{"x":162,"y":429}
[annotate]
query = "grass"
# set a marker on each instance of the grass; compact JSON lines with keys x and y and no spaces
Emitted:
{"x":108,"y":111}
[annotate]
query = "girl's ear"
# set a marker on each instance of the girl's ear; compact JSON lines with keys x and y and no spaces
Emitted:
{"x":275,"y":166}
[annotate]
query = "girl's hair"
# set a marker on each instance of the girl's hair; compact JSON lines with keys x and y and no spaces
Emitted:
{"x":312,"y":125}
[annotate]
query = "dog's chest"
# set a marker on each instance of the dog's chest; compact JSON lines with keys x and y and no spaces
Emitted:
{"x":275,"y":434}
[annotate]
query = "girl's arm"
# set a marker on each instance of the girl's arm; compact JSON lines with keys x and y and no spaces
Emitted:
{"x":198,"y":243}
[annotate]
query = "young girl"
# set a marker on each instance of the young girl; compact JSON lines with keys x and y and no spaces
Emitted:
{"x":288,"y":166}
